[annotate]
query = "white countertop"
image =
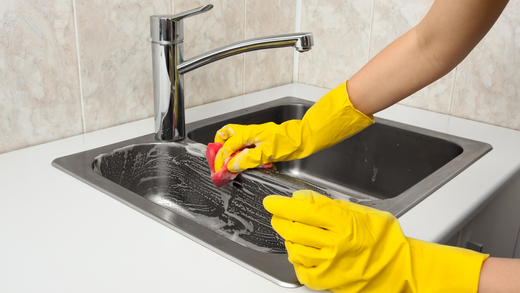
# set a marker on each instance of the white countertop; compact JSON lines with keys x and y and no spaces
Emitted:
{"x":58,"y":234}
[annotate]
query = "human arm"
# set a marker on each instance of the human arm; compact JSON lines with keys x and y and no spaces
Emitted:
{"x":500,"y":275}
{"x":329,"y":121}
{"x":446,"y":35}
{"x":450,"y":30}
{"x":345,"y":247}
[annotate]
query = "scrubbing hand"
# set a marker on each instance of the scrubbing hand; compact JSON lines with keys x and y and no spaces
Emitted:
{"x":328,"y":122}
{"x":345,"y":247}
{"x":223,"y":176}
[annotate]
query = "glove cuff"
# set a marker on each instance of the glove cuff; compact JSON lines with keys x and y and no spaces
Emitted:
{"x":442,"y":268}
{"x":368,"y":118}
{"x":331,"y":120}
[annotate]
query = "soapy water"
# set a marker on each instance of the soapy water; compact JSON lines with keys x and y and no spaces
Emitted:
{"x":375,"y":174}
{"x":177,"y":178}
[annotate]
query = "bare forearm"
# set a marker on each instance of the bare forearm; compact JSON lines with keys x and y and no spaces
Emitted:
{"x":500,"y":275}
{"x":447,"y":34}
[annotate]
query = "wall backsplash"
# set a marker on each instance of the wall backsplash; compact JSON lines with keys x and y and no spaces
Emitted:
{"x":69,"y":67}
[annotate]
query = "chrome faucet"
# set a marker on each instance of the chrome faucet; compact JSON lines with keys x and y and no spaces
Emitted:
{"x":169,"y":66}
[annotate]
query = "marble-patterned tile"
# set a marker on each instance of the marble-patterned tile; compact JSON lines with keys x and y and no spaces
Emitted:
{"x":487,"y":87}
{"x":39,"y":85}
{"x":222,"y":25}
{"x":269,"y":68}
{"x":435,"y":97}
{"x":341,"y":31}
{"x":393,"y":18}
{"x":115,"y":59}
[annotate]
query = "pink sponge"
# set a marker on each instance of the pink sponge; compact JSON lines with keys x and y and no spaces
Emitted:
{"x":223,"y":176}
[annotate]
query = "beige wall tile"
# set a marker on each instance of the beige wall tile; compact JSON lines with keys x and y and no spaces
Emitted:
{"x":269,"y":68}
{"x":39,"y":91}
{"x":341,"y":36}
{"x":393,"y":18}
{"x":487,"y":85}
{"x":436,"y":97}
{"x":115,"y":59}
{"x":220,"y":26}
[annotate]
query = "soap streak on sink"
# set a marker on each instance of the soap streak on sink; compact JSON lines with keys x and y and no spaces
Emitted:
{"x":179,"y":180}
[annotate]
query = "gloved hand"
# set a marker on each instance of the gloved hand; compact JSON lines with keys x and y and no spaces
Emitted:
{"x":345,"y":247}
{"x":328,"y":122}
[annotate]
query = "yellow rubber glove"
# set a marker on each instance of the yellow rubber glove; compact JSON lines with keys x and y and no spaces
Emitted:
{"x":331,"y":120}
{"x":345,"y":247}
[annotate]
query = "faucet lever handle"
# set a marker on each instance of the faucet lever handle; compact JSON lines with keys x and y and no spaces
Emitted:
{"x":168,"y":28}
{"x":192,"y":12}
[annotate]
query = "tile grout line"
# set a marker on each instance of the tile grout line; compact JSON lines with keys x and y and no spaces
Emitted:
{"x":454,"y":81}
{"x":79,"y":68}
{"x":297,"y":29}
{"x":370,"y":30}
{"x":244,"y":55}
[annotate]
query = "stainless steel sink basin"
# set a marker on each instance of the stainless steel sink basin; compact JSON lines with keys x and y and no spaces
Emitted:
{"x":389,"y":166}
{"x":169,"y":182}
{"x":177,"y":178}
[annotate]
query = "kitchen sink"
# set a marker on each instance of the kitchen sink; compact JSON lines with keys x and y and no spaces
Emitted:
{"x":389,"y":166}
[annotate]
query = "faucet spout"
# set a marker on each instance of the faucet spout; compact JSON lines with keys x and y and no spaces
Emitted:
{"x":302,"y":42}
{"x":169,"y":66}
